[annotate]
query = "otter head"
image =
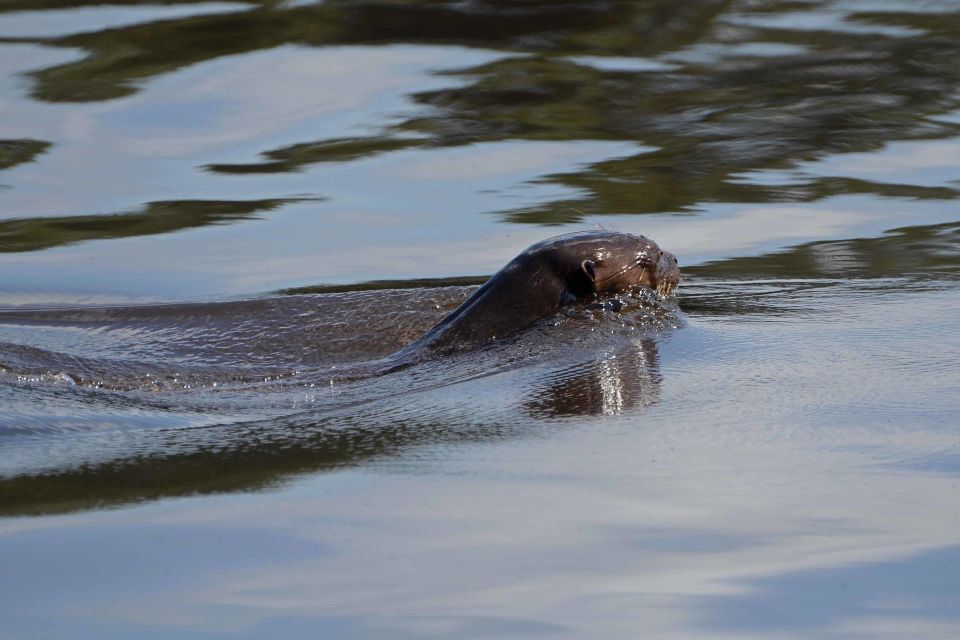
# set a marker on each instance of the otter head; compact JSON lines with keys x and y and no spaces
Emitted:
{"x":615,"y":262}
{"x":543,"y":278}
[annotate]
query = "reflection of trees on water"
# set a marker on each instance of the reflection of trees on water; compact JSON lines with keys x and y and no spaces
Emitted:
{"x":777,"y":283}
{"x":14,"y":152}
{"x":919,"y":252}
{"x":724,"y":97}
{"x":712,"y":120}
{"x":32,"y":234}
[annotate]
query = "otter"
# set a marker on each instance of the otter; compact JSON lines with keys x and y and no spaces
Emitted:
{"x":549,"y":275}
{"x":570,"y":268}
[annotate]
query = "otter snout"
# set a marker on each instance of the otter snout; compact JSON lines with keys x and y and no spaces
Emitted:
{"x":667,"y":275}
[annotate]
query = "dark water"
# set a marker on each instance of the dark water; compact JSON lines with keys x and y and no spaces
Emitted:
{"x":214,"y":216}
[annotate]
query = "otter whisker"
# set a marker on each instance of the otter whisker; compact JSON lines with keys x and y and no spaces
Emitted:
{"x":627,"y":267}
{"x":591,"y":219}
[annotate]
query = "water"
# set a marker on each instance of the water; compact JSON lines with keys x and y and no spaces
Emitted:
{"x":215,"y":215}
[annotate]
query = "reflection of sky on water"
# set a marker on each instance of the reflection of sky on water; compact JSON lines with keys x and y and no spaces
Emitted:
{"x":812,"y":20}
{"x":110,"y":558}
{"x":928,"y":163}
{"x":711,"y":52}
{"x":58,"y":23}
{"x":919,"y":6}
{"x":19,"y":58}
{"x":919,"y":594}
{"x":615,"y":63}
{"x":120,"y":154}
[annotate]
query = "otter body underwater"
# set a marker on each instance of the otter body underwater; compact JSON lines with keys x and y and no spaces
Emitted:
{"x":553,"y":273}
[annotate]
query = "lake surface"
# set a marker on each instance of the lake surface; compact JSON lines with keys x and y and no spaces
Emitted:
{"x":212,"y":214}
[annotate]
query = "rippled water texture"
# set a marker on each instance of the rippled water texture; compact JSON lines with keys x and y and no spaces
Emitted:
{"x":217,"y":219}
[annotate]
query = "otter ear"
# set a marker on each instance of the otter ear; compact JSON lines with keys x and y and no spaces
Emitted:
{"x":588,"y":268}
{"x":583,"y":280}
